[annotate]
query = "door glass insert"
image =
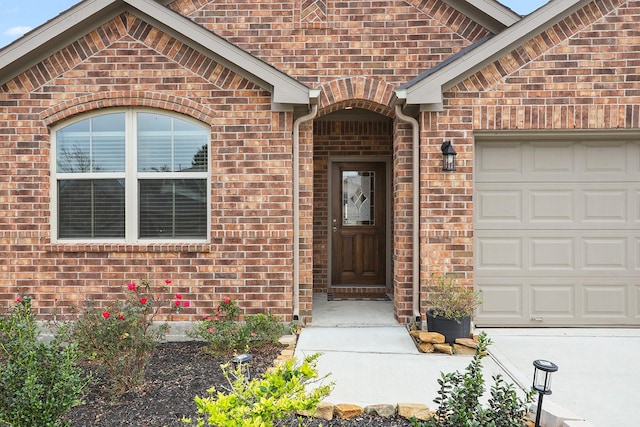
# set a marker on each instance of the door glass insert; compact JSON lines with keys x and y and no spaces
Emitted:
{"x":358,"y":201}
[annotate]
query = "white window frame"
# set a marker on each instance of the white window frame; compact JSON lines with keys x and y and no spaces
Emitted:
{"x":131,"y":177}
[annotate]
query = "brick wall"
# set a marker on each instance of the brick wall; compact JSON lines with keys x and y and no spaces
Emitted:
{"x":389,"y":40}
{"x":129,"y":63}
{"x":581,"y":74}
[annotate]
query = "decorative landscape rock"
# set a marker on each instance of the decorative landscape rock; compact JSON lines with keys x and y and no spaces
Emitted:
{"x":348,"y":410}
{"x":418,"y":410}
{"x":463,"y":350}
{"x":443,"y":348}
{"x":324,"y":411}
{"x":426,"y":347}
{"x":428,"y":337}
{"x":289,"y":341}
{"x":429,"y":342}
{"x":381,"y":410}
{"x":467,"y":342}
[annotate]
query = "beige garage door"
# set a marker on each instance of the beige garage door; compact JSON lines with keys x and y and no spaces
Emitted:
{"x":557,"y":229}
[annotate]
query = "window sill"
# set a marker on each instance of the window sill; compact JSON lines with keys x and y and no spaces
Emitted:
{"x":131,"y":247}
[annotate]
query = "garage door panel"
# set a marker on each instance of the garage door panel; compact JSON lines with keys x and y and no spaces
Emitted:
{"x":552,"y":206}
{"x":604,"y":253}
{"x":502,"y":301}
{"x":551,"y":300}
{"x":551,"y":158}
{"x":559,"y":252}
{"x":501,"y":161}
{"x":605,"y":300}
{"x":605,"y":158}
{"x":499,"y":206}
{"x":558,"y":240}
{"x":552,"y":253}
{"x":605,"y":206}
{"x":502,"y":253}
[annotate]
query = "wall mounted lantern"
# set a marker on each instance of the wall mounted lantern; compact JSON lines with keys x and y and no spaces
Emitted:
{"x":542,"y":370}
{"x":448,"y":156}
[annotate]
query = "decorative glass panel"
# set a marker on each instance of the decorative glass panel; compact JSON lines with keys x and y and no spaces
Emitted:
{"x":168,"y":144}
{"x":89,"y":208}
{"x":358,"y":201}
{"x":173,"y":208}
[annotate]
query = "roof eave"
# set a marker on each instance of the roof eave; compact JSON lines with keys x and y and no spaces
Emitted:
{"x":285,"y":90}
{"x":430,"y":89}
{"x":63,"y":29}
{"x":489,"y":13}
{"x":56,"y":33}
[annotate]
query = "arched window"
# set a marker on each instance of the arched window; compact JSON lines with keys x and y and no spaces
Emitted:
{"x":131,"y":175}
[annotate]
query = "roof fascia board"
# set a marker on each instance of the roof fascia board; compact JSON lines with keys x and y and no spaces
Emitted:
{"x":430,"y":89}
{"x":285,"y":89}
{"x":489,"y":13}
{"x":52,"y":35}
{"x":81,"y":18}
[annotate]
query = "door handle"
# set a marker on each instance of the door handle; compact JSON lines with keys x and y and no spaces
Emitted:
{"x":335,"y":229}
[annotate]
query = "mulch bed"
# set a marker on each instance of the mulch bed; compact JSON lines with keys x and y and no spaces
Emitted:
{"x":178,"y":372}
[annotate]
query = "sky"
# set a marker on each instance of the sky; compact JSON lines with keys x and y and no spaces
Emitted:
{"x":20,"y":16}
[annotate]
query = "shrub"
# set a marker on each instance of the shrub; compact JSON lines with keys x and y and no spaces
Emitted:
{"x":120,"y":338}
{"x":263,"y":402}
{"x":459,"y":394}
{"x":450,"y":300}
{"x":39,"y":382}
{"x":223,"y":332}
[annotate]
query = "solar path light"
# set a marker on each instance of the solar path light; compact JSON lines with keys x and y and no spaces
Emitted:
{"x":542,"y":370}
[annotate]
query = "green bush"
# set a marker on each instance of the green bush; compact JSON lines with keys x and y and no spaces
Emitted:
{"x":120,"y":338}
{"x":39,"y":382}
{"x":459,"y":395}
{"x":263,"y":402}
{"x":223,"y":333}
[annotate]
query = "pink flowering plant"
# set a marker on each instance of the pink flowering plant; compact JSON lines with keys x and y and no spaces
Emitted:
{"x":120,"y":337}
{"x":225,"y":333}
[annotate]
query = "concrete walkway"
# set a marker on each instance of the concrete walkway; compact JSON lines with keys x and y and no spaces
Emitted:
{"x":598,"y":374}
{"x":372,"y":365}
{"x":373,"y":360}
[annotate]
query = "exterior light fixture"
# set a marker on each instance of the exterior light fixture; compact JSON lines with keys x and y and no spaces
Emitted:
{"x":242,"y":363}
{"x":542,"y":370}
{"x":448,"y":156}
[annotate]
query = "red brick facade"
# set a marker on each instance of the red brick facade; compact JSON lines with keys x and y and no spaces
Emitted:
{"x":581,"y":73}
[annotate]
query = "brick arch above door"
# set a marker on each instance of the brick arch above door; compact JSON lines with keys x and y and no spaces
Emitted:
{"x":357,"y":92}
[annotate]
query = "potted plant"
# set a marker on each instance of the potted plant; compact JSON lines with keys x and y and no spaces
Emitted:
{"x":450,"y":308}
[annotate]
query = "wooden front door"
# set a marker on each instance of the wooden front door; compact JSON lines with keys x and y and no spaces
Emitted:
{"x":358,"y":223}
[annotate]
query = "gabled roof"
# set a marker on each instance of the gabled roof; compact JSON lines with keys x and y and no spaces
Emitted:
{"x":491,"y":14}
{"x":426,"y":90}
{"x":86,"y":15}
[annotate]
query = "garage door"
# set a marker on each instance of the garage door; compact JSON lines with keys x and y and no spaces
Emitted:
{"x":557,"y":230}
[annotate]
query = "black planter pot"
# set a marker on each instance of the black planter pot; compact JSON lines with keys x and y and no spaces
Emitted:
{"x":450,"y":328}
